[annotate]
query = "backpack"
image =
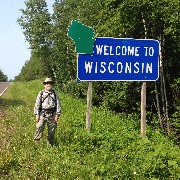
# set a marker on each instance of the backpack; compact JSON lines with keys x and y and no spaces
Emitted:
{"x":42,"y":100}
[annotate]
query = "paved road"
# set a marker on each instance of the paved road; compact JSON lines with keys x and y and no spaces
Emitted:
{"x":4,"y":86}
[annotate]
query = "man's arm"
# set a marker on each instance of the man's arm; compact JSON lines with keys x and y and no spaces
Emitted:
{"x":37,"y":106}
{"x":58,"y":107}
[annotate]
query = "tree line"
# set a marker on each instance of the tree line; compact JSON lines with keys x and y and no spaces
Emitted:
{"x":3,"y":77}
{"x":53,"y":52}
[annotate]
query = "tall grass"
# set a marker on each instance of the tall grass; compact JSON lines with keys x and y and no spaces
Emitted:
{"x":112,"y":150}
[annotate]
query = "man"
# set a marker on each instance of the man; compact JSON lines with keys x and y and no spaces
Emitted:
{"x":47,"y":110}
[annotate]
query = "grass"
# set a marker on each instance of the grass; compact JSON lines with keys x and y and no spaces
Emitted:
{"x":112,"y":150}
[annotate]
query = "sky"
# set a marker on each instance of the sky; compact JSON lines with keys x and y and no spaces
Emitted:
{"x":13,"y":47}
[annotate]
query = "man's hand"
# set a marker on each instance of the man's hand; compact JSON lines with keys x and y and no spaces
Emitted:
{"x":56,"y":118}
{"x":37,"y":118}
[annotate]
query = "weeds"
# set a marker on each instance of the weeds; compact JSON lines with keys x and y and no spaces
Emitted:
{"x":112,"y":150}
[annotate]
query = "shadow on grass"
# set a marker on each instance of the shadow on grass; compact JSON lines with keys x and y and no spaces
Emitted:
{"x":6,"y":167}
{"x":11,"y":102}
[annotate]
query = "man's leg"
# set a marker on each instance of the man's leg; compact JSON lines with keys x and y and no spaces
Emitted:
{"x":39,"y":129}
{"x":51,"y":130}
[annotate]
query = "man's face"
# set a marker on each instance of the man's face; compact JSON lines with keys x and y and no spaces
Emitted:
{"x":48,"y":86}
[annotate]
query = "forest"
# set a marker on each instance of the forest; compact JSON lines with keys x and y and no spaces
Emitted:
{"x":53,"y":52}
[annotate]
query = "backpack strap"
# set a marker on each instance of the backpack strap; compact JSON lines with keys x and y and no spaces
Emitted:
{"x":55,"y":98}
{"x":40,"y":99}
{"x":43,"y":99}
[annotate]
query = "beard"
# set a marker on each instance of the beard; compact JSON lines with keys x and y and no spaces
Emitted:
{"x":48,"y":88}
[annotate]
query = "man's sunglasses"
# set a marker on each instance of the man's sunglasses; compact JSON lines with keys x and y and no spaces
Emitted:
{"x":49,"y":83}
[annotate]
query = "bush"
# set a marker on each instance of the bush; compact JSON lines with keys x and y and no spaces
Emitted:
{"x":76,"y":89}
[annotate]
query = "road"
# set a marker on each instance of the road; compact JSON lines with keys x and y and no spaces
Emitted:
{"x":4,"y":86}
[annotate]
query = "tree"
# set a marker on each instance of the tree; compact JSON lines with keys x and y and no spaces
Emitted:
{"x":36,"y":24}
{"x":3,"y":77}
{"x":32,"y":69}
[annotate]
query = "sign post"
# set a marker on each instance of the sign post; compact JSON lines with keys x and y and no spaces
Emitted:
{"x":89,"y":102}
{"x":114,"y":59}
{"x":120,"y":59}
{"x":143,"y":109}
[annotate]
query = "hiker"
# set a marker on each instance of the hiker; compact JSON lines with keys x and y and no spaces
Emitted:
{"x":47,"y":110}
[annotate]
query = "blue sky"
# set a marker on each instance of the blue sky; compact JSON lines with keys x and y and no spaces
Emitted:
{"x":13,"y":48}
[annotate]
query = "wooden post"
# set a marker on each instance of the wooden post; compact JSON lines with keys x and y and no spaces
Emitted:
{"x":89,"y":102}
{"x":143,"y":109}
{"x":143,"y":94}
{"x":158,"y":106}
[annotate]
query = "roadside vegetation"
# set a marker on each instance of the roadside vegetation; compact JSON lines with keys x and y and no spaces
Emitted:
{"x":113,"y":149}
{"x":53,"y":52}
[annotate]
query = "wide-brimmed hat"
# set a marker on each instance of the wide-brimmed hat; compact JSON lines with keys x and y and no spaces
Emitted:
{"x":49,"y":80}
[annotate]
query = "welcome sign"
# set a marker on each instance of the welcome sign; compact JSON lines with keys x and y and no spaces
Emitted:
{"x":120,"y":59}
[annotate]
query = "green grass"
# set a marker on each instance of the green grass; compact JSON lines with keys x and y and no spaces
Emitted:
{"x":112,"y":150}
